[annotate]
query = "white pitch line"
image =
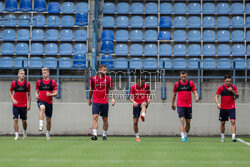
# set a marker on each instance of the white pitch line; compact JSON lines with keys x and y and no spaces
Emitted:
{"x":243,"y":141}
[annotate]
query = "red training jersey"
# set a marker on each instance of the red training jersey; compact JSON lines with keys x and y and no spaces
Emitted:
{"x":20,"y":95}
{"x":50,"y":85}
{"x":140,"y":93}
{"x":227,"y":97}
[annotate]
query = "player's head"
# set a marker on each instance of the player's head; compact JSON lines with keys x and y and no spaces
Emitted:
{"x":102,"y":69}
{"x":228,"y":80}
{"x":183,"y":75}
{"x":45,"y":73}
{"x":21,"y":74}
{"x":141,"y":80}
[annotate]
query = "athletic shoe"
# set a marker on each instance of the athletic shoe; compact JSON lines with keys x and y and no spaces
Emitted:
{"x":16,"y":137}
{"x":24,"y":136}
{"x":47,"y":137}
{"x":138,"y":139}
{"x":40,"y":128}
{"x":234,"y":139}
{"x":142,"y":118}
{"x":186,"y":139}
{"x":104,"y":138}
{"x":183,"y":139}
{"x":94,"y":138}
{"x":222,"y":139}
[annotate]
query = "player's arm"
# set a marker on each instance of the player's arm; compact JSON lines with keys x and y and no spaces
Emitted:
{"x":216,"y":99}
{"x":112,"y":96}
{"x":90,"y":95}
{"x":12,"y":97}
{"x":236,"y":94}
{"x":37,"y":94}
{"x":196,"y":96}
{"x":29,"y":101}
{"x":173,"y":100}
{"x":52,"y":94}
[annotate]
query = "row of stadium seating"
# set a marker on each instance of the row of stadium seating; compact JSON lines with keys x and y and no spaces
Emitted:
{"x":39,"y":35}
{"x":178,"y":8}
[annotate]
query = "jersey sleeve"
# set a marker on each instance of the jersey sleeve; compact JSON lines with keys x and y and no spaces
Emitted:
{"x":37,"y":85}
{"x":219,"y":90}
{"x":12,"y":86}
{"x":111,"y":84}
{"x":235,"y":89}
{"x":132,"y":90}
{"x":28,"y":87}
{"x":175,"y":87}
{"x":193,"y":87}
{"x":148,"y":89}
{"x":91,"y":84}
{"x":54,"y":85}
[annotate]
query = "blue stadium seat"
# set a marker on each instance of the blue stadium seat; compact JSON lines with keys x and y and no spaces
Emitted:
{"x":237,"y":8}
{"x":36,"y":49}
{"x":52,"y":35}
{"x":7,"y":49}
{"x":6,"y":62}
{"x":151,"y":22}
{"x":81,"y":35}
{"x":248,"y":36}
{"x":40,"y":5}
{"x":1,"y":20}
{"x":209,"y":36}
{"x":36,"y":62}
{"x":123,"y":8}
{"x":165,"y":8}
{"x":37,"y":35}
{"x":80,"y":49}
{"x":180,"y":50}
{"x":237,"y":36}
{"x":223,"y":22}
{"x":239,"y":63}
{"x":224,"y":63}
{"x":238,"y":50}
{"x":164,"y":35}
{"x":209,"y":50}
{"x":67,"y":21}
{"x":65,"y":62}
{"x":54,"y":7}
{"x":81,"y":19}
{"x":223,"y":50}
{"x":1,"y":7}
{"x":151,"y":8}
{"x":107,"y":60}
{"x":108,"y":21}
{"x":248,"y":22}
{"x":121,"y":35}
{"x":51,"y":49}
{"x":53,"y":21}
{"x":248,"y":53}
{"x":209,"y":63}
{"x":22,"y":49}
{"x":9,"y":35}
{"x":208,"y":22}
{"x":10,"y":20}
{"x":179,"y":8}
{"x":150,"y":64}
{"x":180,"y":36}
{"x":23,"y":35}
{"x":223,"y":8}
{"x":194,"y":8}
{"x":68,"y":8}
{"x":24,"y":21}
{"x":67,"y":35}
{"x":193,"y":63}
{"x":194,"y":22}
{"x":20,"y":62}
{"x":107,"y":35}
{"x":0,"y":35}
{"x":165,"y":63}
{"x":165,"y":50}
{"x":194,"y":50}
{"x":136,"y":50}
{"x":136,"y":22}
{"x":122,"y":21}
{"x":137,"y":8}
{"x":82,"y":7}
{"x":121,"y":63}
{"x":165,"y":22}
{"x":79,"y":63}
{"x":151,"y":35}
{"x":135,"y":63}
{"x":121,"y":49}
{"x":248,"y":8}
{"x":65,"y":49}
{"x":223,"y":36}
{"x":39,"y":21}
{"x":208,"y":8}
{"x":194,"y":36}
{"x":50,"y":62}
{"x":179,"y":63}
{"x":108,"y":8}
{"x":150,"y":50}
{"x":136,"y":35}
{"x":11,"y":5}
{"x":107,"y":47}
{"x":180,"y":22}
{"x":237,"y":22}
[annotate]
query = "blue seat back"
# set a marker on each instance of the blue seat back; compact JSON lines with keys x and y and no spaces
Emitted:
{"x":223,"y":8}
{"x":9,"y":35}
{"x":80,"y":48}
{"x":108,"y":8}
{"x":67,"y":21}
{"x":65,"y":62}
{"x":52,"y":35}
{"x":135,"y":63}
{"x":223,"y":50}
{"x":23,"y":35}
{"x":81,"y":63}
{"x":165,"y":8}
{"x":81,"y":19}
{"x":179,"y":63}
{"x":194,"y":8}
{"x":137,"y":8}
{"x":194,"y":22}
{"x":209,"y":63}
{"x":180,"y":22}
{"x":10,"y":20}
{"x":24,"y":21}
{"x":53,"y":21}
{"x":7,"y":49}
{"x":11,"y":5}
{"x":194,"y":50}
{"x":36,"y":62}
{"x":122,"y":21}
{"x":208,"y":22}
{"x":50,"y":62}
{"x":150,"y":64}
{"x":66,"y":49}
{"x":122,"y":35}
{"x":165,"y":50}
{"x":54,"y":7}
{"x":81,"y":35}
{"x":67,"y":35}
{"x":36,"y":49}
{"x":223,"y":36}
{"x":151,"y":35}
{"x":68,"y":7}
{"x":20,"y":62}
{"x":151,"y":8}
{"x":107,"y":35}
{"x":107,"y":47}
{"x":82,"y":7}
{"x":164,"y":35}
{"x":238,"y":50}
{"x":136,"y":22}
{"x":209,"y":50}
{"x":209,"y":36}
{"x":121,"y":63}
{"x":180,"y":50}
{"x":136,"y":50}
{"x":180,"y":8}
{"x":136,"y":35}
{"x":165,"y":22}
{"x":22,"y":49}
{"x":37,"y":35}
{"x":40,"y":5}
{"x":39,"y":21}
{"x":6,"y":62}
{"x":121,"y":49}
{"x":123,"y":8}
{"x":224,"y":63}
{"x":194,"y":36}
{"x":180,"y":35}
{"x":208,"y":8}
{"x":108,"y":21}
{"x":150,"y":50}
{"x":51,"y":49}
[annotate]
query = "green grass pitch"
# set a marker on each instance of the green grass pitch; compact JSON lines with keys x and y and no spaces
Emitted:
{"x":123,"y":152}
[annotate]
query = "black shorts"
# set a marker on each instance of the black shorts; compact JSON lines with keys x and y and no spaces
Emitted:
{"x":48,"y":108}
{"x":100,"y":109}
{"x":22,"y":111}
{"x":137,"y":110}
{"x":225,"y":113}
{"x":185,"y":112}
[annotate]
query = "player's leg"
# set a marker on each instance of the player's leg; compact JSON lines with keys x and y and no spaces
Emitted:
{"x":23,"y":116}
{"x":41,"y":114}
{"x":187,"y":127}
{"x":136,"y":115}
{"x":223,"y":118}
{"x":188,"y":117}
{"x":232,"y":117}
{"x":15,"y":119}
{"x":95,"y":126}
{"x":48,"y":114}
{"x":222,"y":130}
{"x":143,"y":111}
{"x":181,"y":113}
{"x":104,"y":109}
{"x":105,"y":127}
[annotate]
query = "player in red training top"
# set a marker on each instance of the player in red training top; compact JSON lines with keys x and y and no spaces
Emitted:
{"x":227,"y":106}
{"x":20,"y":105}
{"x":100,"y":85}
{"x":46,"y":88}
{"x":184,"y":87}
{"x":140,"y":97}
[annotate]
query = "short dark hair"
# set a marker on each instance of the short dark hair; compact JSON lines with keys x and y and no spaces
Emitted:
{"x":102,"y":65}
{"x":141,"y":78}
{"x":227,"y":76}
{"x":183,"y":72}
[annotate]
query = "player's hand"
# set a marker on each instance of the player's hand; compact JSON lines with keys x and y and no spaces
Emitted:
{"x":15,"y":102}
{"x":135,"y":104}
{"x":173,"y":107}
{"x":90,"y":102}
{"x":218,"y":106}
{"x":196,"y":99}
{"x":28,"y":108}
{"x":113,"y":102}
{"x":48,"y":94}
{"x":230,"y":89}
{"x":37,"y":97}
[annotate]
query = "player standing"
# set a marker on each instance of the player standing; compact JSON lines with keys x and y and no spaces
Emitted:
{"x":227,"y":106}
{"x":20,"y":105}
{"x":184,"y":87}
{"x":46,"y":88}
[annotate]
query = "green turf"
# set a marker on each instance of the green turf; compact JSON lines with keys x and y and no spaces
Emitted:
{"x":123,"y":152}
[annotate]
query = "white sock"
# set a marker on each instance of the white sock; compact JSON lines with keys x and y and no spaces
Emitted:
{"x":47,"y":133}
{"x":104,"y":133}
{"x":24,"y":132}
{"x":185,"y":134}
{"x":222,"y":135}
{"x":233,"y":136}
{"x":143,"y":114}
{"x":16,"y":134}
{"x":41,"y":122}
{"x":182,"y":135}
{"x":95,"y":132}
{"x":137,"y":135}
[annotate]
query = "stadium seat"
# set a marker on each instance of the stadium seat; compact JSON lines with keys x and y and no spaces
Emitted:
{"x":81,"y":63}
{"x":137,"y":8}
{"x":223,"y":22}
{"x":179,"y":8}
{"x":108,"y":21}
{"x":107,"y":60}
{"x":223,"y":50}
{"x":36,"y":49}
{"x":37,"y":35}
{"x":136,"y":50}
{"x":53,"y":21}
{"x":224,"y":64}
{"x":11,"y":5}
{"x":10,"y":20}
{"x":237,"y":8}
{"x":54,"y":8}
{"x":136,"y":35}
{"x":1,"y":7}
{"x":239,"y":63}
{"x":194,"y":36}
{"x":22,"y":49}
{"x":65,"y":62}
{"x":165,"y":50}
{"x":107,"y":35}
{"x":180,"y":22}
{"x":80,"y":49}
{"x":81,"y":19}
{"x":179,"y":63}
{"x":9,"y":35}
{"x":209,"y":50}
{"x":65,"y":49}
{"x":194,"y":50}
{"x":38,"y":21}
{"x":108,"y":8}
{"x":165,"y":63}
{"x":7,"y":49}
{"x":36,"y":62}
{"x":164,"y":35}
{"x":51,"y":49}
{"x":248,"y":22}
{"x":20,"y":62}
{"x":180,"y":50}
{"x":68,"y":8}
{"x":107,"y":47}
{"x":151,"y":35}
{"x":209,"y":36}
{"x":165,"y":22}
{"x":194,"y":8}
{"x":135,"y":63}
{"x":50,"y":62}
{"x":248,"y":36}
{"x":151,"y":8}
{"x":208,"y":22}
{"x":24,"y":21}
{"x":1,"y":20}
{"x":222,"y":8}
{"x":67,"y":35}
{"x":40,"y":5}
{"x":238,"y":50}
{"x":150,"y":50}
{"x":122,"y":8}
{"x":193,"y":63}
{"x":121,"y":63}
{"x":23,"y":35}
{"x":81,"y":35}
{"x":150,"y":64}
{"x":136,"y":22}
{"x":67,"y":21}
{"x":121,"y":49}
{"x":248,"y":52}
{"x":52,"y":35}
{"x":194,"y":22}
{"x":165,"y":8}
{"x":82,"y":7}
{"x":223,"y":36}
{"x":121,"y":35}
{"x":122,"y":21}
{"x":180,"y":36}
{"x":151,"y":22}
{"x":237,"y":36}
{"x":209,"y":63}
{"x":237,"y":22}
{"x":208,"y":8}
{"x":6,"y":62}
{"x":248,"y":8}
